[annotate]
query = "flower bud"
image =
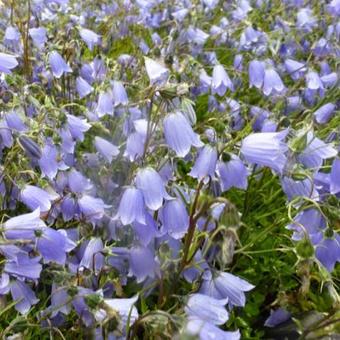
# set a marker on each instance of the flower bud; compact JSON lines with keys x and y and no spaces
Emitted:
{"x":31,"y":147}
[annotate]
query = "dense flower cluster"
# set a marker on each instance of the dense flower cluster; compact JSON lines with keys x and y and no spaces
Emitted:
{"x":137,"y":139}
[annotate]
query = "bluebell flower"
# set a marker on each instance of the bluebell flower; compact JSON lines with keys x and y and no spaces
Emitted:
{"x":242,"y":10}
{"x":179,"y":135}
{"x":119,"y":94}
{"x":175,"y":218}
{"x":24,"y":296}
{"x":12,"y":39}
{"x":30,"y":146}
{"x":14,"y":122}
{"x":105,"y":104}
{"x":7,"y":62}
{"x":126,"y":310}
{"x":23,"y":226}
{"x":259,"y":116}
{"x":126,"y":60}
{"x":93,"y":258}
{"x":81,"y":307}
{"x":324,"y":113}
{"x":211,"y":4}
{"x":180,"y":14}
{"x":205,"y":163}
{"x":51,"y":244}
{"x":335,"y":177}
{"x":35,"y":197}
{"x":106,"y":149}
{"x":58,"y":64}
{"x":135,"y":146}
{"x":266,"y":148}
{"x":232,"y":173}
{"x":205,"y":81}
{"x":60,"y":301}
{"x":322,"y":48}
{"x":220,"y":81}
{"x":333,"y":8}
{"x":295,"y":69}
{"x":156,"y":39}
{"x":196,"y":36}
{"x":207,"y":331}
{"x":256,"y":73}
{"x":305,"y":20}
{"x":48,"y":161}
{"x":313,"y":81}
{"x":91,"y":38}
{"x":77,"y":182}
{"x":145,"y":232}
{"x":225,"y":286}
{"x":67,"y":141}
{"x":68,"y":207}
{"x":315,"y":152}
{"x":303,"y":188}
{"x":83,"y":87}
{"x":12,"y":34}
{"x":142,"y":263}
{"x":131,"y":207}
{"x":293,"y":104}
{"x":207,"y":308}
{"x":238,"y":62}
{"x":308,"y":220}
{"x":157,"y":73}
{"x":329,"y":79}
{"x":328,"y":252}
{"x":151,"y":184}
{"x":77,"y":126}
{"x":254,"y":40}
{"x":272,"y":83}
{"x":23,"y":266}
{"x":277,"y":317}
{"x":92,"y":208}
{"x":38,"y":36}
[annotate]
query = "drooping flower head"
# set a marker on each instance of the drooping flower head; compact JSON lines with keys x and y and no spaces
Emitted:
{"x":91,"y":38}
{"x":267,"y":149}
{"x":157,"y":73}
{"x":58,"y":64}
{"x":179,"y":135}
{"x":7,"y":62}
{"x":220,"y":81}
{"x":152,"y":186}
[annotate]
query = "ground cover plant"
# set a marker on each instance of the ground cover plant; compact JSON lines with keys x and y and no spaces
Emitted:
{"x":169,"y":169}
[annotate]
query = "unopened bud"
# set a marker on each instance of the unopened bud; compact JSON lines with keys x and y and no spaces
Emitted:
{"x":31,"y":147}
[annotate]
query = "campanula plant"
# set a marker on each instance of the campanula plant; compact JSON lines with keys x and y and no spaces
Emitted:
{"x":169,"y":169}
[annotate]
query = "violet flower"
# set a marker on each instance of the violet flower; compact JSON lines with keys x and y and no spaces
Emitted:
{"x":91,"y":38}
{"x":205,"y":163}
{"x":152,"y":187}
{"x":58,"y":64}
{"x":131,"y":207}
{"x":220,"y":81}
{"x":7,"y":62}
{"x":38,"y":36}
{"x":267,"y":149}
{"x":106,"y":149}
{"x":226,"y":286}
{"x":83,"y":87}
{"x":175,"y":218}
{"x":157,"y":73}
{"x":179,"y":135}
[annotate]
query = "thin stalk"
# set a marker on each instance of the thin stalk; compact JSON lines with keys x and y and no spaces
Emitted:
{"x":27,"y":67}
{"x":191,"y":230}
